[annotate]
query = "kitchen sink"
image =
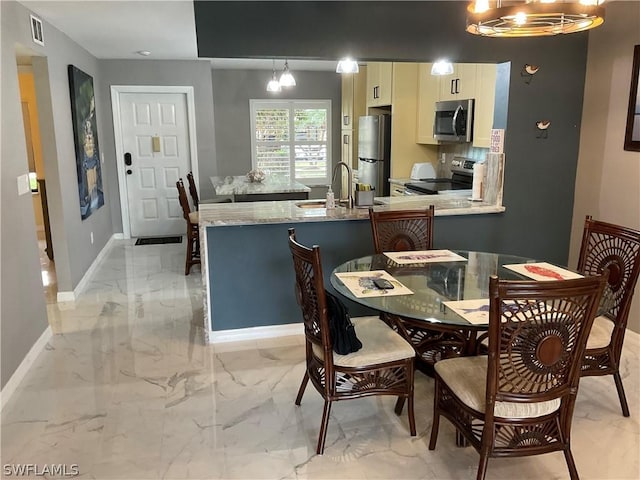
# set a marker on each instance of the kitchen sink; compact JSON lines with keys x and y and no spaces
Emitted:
{"x":318,"y":204}
{"x":322,"y":204}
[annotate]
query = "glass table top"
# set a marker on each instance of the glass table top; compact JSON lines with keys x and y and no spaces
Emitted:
{"x":433,"y":284}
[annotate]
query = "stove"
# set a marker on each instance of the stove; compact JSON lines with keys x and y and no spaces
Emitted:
{"x":461,"y":179}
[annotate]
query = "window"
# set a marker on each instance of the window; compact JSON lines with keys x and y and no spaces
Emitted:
{"x":292,"y":139}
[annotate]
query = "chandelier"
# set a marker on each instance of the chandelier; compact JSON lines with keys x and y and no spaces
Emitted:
{"x":533,"y":18}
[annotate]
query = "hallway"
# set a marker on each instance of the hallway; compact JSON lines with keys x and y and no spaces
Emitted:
{"x":126,"y":389}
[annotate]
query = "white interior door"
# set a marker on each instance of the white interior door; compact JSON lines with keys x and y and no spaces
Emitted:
{"x":155,"y":141}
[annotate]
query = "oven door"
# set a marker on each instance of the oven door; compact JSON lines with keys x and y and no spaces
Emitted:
{"x":420,"y":188}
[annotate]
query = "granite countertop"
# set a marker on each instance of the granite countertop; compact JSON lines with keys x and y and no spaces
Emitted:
{"x":287,"y":211}
{"x":239,"y":185}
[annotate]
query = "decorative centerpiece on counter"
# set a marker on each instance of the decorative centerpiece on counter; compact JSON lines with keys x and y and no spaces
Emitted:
{"x":256,"y":176}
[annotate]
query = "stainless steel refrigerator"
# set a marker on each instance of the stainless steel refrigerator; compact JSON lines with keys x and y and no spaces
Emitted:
{"x":374,"y":152}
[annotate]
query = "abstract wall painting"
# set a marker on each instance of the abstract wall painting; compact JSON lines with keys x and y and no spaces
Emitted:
{"x":85,"y":135}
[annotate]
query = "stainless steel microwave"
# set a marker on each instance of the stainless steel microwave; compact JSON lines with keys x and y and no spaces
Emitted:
{"x":454,"y":121}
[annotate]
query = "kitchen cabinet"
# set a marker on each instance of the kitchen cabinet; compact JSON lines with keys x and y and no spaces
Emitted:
{"x":477,"y":81}
{"x":348,"y":153}
{"x":428,"y":95}
{"x":379,"y":83}
{"x":485,"y":96}
{"x":404,"y":113}
{"x":460,"y":85}
{"x":354,"y":105}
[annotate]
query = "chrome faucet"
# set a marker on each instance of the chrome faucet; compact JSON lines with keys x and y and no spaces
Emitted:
{"x":349,"y":185}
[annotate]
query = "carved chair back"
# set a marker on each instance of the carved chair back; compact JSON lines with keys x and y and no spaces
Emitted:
{"x":537,"y":336}
{"x":310,"y":295}
{"x":396,"y":231}
{"x":193,"y":190}
{"x":616,"y":249}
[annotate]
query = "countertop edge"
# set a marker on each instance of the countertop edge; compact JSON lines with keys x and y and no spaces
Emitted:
{"x":278,"y":212}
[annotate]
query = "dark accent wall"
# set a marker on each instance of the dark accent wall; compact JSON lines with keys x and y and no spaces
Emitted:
{"x":539,"y":173}
{"x":232,"y":90}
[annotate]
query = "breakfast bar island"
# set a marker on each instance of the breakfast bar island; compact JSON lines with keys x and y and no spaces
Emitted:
{"x":247,"y":271}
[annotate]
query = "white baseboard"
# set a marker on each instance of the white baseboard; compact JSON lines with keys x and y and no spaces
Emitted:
{"x":255,"y":333}
{"x":24,"y":367}
{"x":84,"y":281}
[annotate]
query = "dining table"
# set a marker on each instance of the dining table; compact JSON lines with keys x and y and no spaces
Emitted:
{"x":427,"y":287}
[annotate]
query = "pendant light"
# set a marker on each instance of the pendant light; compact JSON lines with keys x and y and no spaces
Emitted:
{"x":274,"y":84}
{"x":286,"y":79}
{"x":347,"y":65}
{"x":442,"y":67}
{"x":533,"y":18}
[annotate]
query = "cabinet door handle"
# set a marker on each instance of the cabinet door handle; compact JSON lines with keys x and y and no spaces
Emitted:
{"x":375,"y":92}
{"x":345,"y":139}
{"x":451,"y":90}
{"x":345,"y":120}
{"x":457,"y":85}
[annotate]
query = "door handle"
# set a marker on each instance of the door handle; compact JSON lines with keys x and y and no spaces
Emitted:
{"x":451,"y":91}
{"x":127,"y":159}
{"x":345,"y":120}
{"x":129,"y":171}
{"x":457,"y":85}
{"x":345,"y":139}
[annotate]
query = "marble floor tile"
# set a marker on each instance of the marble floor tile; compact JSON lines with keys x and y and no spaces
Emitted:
{"x":127,"y":389}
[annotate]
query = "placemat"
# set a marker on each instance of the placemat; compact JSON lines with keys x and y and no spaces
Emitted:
{"x":474,"y":311}
{"x":542,"y":271}
{"x":361,"y":284}
{"x":424,"y":256}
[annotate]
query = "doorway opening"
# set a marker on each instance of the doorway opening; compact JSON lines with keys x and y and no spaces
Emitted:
{"x":37,"y":180}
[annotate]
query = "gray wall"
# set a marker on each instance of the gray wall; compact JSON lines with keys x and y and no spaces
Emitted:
{"x":22,"y":314}
{"x":539,"y":174}
{"x":23,"y":309}
{"x":232,"y":90}
{"x":194,"y":73}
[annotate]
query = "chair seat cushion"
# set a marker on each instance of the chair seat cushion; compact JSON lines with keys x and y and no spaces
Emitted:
{"x":194,"y":218}
{"x":600,"y":335}
{"x":466,"y":377}
{"x":380,"y":344}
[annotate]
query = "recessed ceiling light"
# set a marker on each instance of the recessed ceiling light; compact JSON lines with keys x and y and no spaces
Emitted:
{"x":144,"y":53}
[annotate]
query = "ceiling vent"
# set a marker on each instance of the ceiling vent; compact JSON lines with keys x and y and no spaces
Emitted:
{"x":36,"y":30}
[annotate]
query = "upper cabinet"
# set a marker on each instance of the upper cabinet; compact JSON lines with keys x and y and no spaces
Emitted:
{"x":354,"y":87}
{"x":460,"y":85}
{"x":353,"y":98}
{"x":469,"y":80}
{"x":485,"y":95}
{"x":428,"y":95}
{"x":379,"y":83}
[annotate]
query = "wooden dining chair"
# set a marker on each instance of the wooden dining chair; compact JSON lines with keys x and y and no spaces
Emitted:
{"x":616,"y":249}
{"x":193,"y":231}
{"x":383,"y":366}
{"x":195,"y":198}
{"x":193,"y":190}
{"x":519,"y":400}
{"x":401,"y":230}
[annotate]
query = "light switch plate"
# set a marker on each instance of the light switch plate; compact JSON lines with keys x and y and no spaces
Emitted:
{"x":23,"y":184}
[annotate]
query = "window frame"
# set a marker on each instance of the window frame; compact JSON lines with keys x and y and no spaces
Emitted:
{"x":292,"y":105}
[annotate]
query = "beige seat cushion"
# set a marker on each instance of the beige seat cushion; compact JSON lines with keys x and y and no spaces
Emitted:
{"x":600,"y":334}
{"x":467,"y":379}
{"x":194,"y":217}
{"x":380,"y":344}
